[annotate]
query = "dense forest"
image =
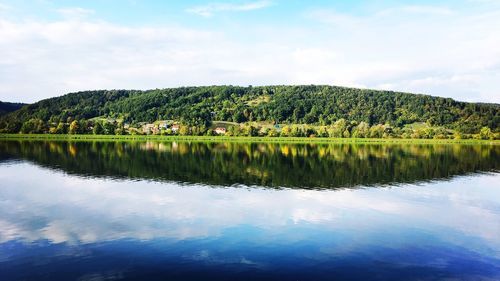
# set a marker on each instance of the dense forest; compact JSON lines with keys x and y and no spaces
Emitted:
{"x":289,"y":110}
{"x":7,"y":107}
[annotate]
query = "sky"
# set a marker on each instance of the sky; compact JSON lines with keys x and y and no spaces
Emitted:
{"x":443,"y":48}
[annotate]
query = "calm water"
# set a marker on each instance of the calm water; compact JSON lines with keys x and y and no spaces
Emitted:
{"x":197,"y":211}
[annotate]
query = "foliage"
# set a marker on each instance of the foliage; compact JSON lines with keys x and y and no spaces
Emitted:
{"x":7,"y":107}
{"x":308,"y":111}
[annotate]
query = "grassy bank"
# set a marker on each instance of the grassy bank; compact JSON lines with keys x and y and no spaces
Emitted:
{"x":234,"y":139}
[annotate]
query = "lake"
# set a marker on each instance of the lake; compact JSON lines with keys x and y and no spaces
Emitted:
{"x":239,"y":211}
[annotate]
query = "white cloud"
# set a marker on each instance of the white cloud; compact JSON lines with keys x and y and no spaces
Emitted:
{"x":169,"y":210}
{"x":333,"y":17}
{"x":427,"y":10}
{"x":446,"y":53}
{"x":75,"y":12}
{"x":417,"y":9}
{"x":212,"y":8}
{"x":454,"y":55}
{"x":4,"y":7}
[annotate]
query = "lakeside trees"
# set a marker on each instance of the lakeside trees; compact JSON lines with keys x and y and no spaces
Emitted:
{"x":340,"y":129}
{"x":319,"y":111}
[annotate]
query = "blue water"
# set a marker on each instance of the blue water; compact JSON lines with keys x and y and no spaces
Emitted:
{"x":57,"y":226}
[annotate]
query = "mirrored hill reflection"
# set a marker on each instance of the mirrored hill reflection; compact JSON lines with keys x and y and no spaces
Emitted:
{"x":260,"y":164}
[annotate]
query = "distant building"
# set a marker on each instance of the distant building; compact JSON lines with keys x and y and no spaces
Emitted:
{"x":150,"y":129}
{"x":163,"y":125}
{"x":220,"y":130}
{"x":147,"y":128}
{"x":175,"y":128}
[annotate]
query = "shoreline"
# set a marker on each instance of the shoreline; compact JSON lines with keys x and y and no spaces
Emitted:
{"x":49,"y":137}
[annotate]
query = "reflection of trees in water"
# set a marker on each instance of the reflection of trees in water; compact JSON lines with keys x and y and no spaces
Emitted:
{"x":266,"y":164}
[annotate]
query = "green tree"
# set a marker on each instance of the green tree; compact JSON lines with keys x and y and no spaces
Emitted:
{"x":62,"y":128}
{"x":338,"y":128}
{"x":184,"y":131}
{"x":250,"y":131}
{"x":486,"y":134}
{"x":272,"y":133}
{"x":376,"y":131}
{"x":361,"y":131}
{"x":74,"y":127}
{"x":296,"y":132}
{"x":33,"y":126}
{"x":109,"y":128}
{"x":285,"y":131}
{"x":98,"y":129}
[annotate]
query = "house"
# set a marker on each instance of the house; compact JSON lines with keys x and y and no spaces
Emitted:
{"x":163,"y":125}
{"x":220,"y":130}
{"x":148,"y":128}
{"x":175,"y":128}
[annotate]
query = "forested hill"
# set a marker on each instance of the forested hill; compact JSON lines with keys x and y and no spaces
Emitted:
{"x":6,"y":107}
{"x":316,"y":105}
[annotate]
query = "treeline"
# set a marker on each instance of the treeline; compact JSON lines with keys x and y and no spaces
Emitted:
{"x":340,"y":129}
{"x":38,"y":126}
{"x":314,"y":106}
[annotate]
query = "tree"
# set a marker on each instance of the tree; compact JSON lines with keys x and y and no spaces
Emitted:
{"x":62,"y":128}
{"x":74,"y":127}
{"x":440,"y":133}
{"x":338,"y":128}
{"x":285,"y":131}
{"x":238,"y":117}
{"x":233,"y":131}
{"x":184,"y":131}
{"x":98,"y":129}
{"x":272,"y":133}
{"x":377,"y":131}
{"x":250,"y":131}
{"x":84,"y":127}
{"x":28,"y":127}
{"x":296,"y":132}
{"x":109,"y":128}
{"x":33,"y":126}
{"x":322,"y":132}
{"x":13,"y":126}
{"x":361,"y":131}
{"x":346,"y":134}
{"x":486,"y":134}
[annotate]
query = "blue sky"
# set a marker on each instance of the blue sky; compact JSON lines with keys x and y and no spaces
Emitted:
{"x":443,"y":48}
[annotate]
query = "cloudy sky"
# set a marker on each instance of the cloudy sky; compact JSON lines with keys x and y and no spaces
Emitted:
{"x":444,"y":48}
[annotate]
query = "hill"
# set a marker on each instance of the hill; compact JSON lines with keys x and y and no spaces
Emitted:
{"x":7,"y":107}
{"x":307,"y":105}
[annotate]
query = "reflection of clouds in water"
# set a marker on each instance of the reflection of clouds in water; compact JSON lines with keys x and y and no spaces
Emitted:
{"x":62,"y":208}
{"x":208,"y":257}
{"x":109,"y":275}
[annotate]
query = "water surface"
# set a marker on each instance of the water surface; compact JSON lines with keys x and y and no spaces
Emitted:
{"x":198,"y":211}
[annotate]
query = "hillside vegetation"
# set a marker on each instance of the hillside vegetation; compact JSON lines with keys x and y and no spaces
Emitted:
{"x":7,"y":107}
{"x":309,"y":110}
